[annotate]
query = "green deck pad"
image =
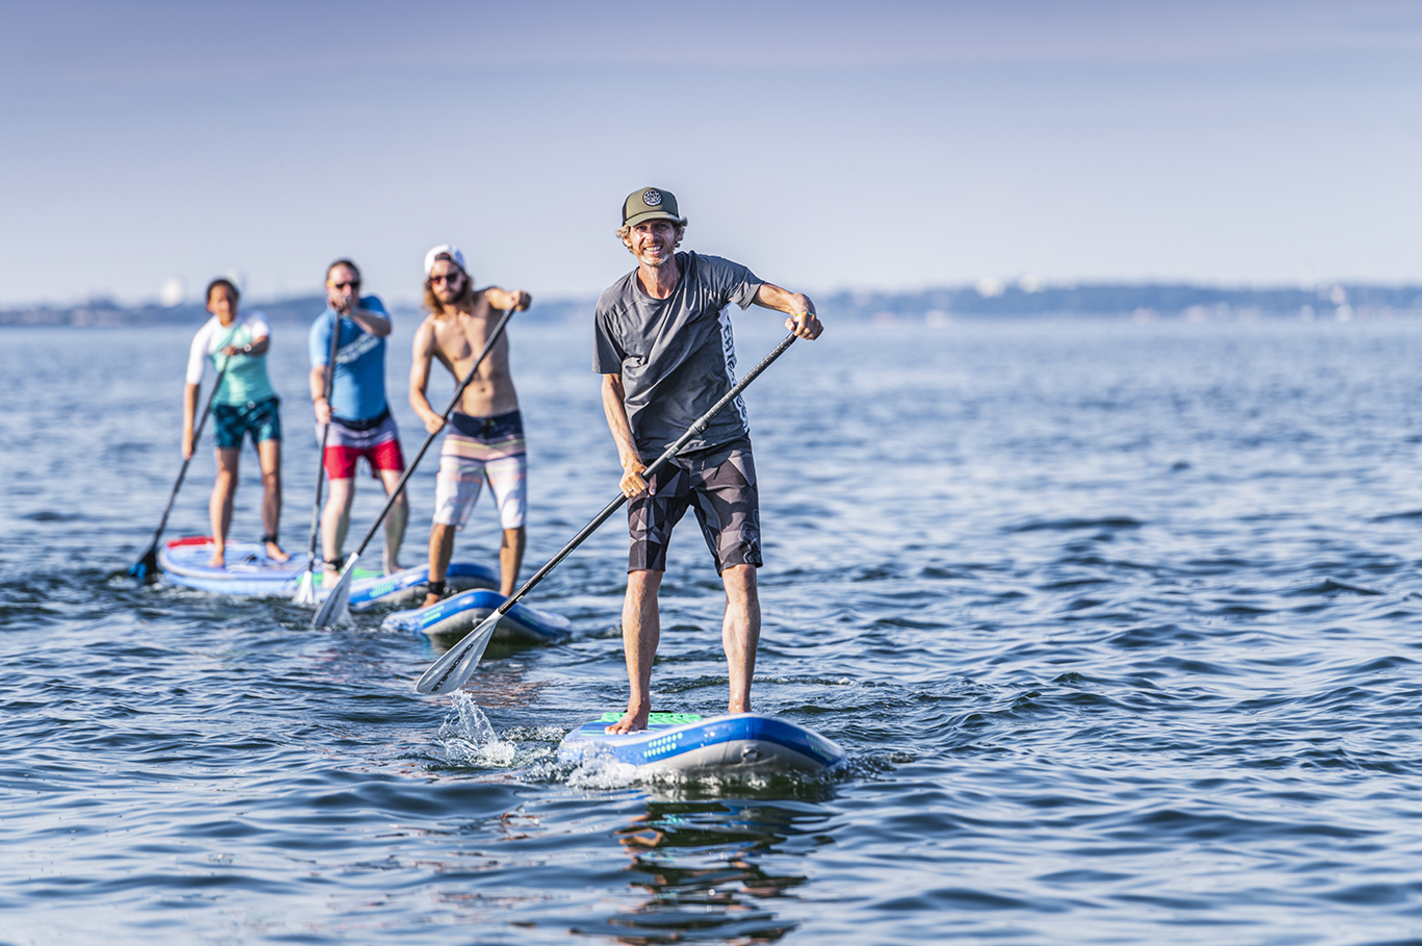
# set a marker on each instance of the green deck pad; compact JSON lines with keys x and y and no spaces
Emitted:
{"x":666,"y":719}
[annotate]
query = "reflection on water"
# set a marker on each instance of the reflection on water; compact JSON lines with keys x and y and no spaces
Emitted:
{"x":700,"y":862}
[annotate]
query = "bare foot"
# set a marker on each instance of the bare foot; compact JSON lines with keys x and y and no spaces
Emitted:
{"x":329,"y":576}
{"x":275,"y":553}
{"x":631,"y":721}
{"x":218,"y":560}
{"x":391,"y":567}
{"x":430,"y":599}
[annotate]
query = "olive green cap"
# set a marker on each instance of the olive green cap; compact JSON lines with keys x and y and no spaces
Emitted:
{"x":649,"y":203}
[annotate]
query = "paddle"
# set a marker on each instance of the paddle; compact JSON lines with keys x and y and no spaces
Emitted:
{"x":455,"y":666}
{"x":334,"y":607}
{"x":306,"y":588}
{"x":148,"y":563}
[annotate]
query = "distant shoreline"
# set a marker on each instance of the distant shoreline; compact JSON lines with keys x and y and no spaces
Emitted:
{"x":989,"y":299}
{"x":106,"y":313}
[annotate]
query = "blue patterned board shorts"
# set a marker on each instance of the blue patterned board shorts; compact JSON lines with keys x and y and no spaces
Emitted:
{"x":261,"y":419}
{"x":720,"y":484}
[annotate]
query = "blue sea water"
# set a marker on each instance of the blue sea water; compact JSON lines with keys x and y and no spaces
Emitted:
{"x":1119,"y":624}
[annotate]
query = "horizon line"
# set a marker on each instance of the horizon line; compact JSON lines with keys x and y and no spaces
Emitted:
{"x":986,"y":288}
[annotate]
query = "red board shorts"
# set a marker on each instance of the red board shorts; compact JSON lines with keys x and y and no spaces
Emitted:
{"x":378,"y":440}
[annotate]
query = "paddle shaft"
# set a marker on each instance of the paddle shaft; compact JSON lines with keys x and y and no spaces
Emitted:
{"x":192,"y":449}
{"x":424,"y":447}
{"x":661,"y":461}
{"x":325,"y":433}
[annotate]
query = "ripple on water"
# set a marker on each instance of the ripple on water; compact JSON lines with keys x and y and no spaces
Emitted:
{"x":1118,"y":626}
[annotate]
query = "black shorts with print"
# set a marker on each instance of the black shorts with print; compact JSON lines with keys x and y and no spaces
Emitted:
{"x":720,"y":483}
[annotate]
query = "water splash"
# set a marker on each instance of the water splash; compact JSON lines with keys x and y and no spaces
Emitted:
{"x":469,"y":738}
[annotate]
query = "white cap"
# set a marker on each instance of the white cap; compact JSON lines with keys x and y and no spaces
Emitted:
{"x":444,"y":249}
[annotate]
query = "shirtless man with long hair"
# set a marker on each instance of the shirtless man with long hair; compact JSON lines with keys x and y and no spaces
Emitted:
{"x":485,"y":440}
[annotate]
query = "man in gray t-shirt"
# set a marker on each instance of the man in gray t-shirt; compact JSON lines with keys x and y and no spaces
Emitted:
{"x":665,"y":351}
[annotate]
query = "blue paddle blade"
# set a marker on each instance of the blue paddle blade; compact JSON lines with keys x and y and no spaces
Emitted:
{"x":145,"y":566}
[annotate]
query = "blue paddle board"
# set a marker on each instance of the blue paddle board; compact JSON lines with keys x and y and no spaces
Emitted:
{"x":409,"y":584}
{"x":249,"y":572}
{"x":459,"y":614}
{"x":743,"y":743}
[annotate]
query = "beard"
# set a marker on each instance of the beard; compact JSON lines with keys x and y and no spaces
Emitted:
{"x":436,"y":299}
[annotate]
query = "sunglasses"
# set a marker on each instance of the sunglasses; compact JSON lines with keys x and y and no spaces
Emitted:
{"x":354,"y":284}
{"x":449,"y":278}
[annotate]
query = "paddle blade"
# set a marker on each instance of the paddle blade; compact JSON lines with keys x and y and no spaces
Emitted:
{"x":305,"y":591}
{"x":457,"y":664}
{"x":333,"y":609}
{"x":146,"y":568}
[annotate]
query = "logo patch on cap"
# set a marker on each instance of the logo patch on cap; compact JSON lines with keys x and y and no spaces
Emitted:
{"x":652,"y":197}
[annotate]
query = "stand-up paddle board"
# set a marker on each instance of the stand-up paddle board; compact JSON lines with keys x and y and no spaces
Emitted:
{"x":409,"y":584}
{"x":744,"y":743}
{"x":459,"y":614}
{"x":249,"y":572}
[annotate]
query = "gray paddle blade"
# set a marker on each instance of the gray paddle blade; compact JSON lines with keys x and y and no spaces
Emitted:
{"x":333,"y":609}
{"x":457,"y":664}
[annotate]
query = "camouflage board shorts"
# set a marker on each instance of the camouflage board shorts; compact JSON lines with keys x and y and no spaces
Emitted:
{"x":720,"y":484}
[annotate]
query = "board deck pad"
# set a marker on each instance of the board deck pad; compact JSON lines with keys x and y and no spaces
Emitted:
{"x":741,"y":743}
{"x":654,"y":720}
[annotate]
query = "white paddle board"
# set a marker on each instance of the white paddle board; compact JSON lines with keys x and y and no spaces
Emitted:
{"x":248,"y":571}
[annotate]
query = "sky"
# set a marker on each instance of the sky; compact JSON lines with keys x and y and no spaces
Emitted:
{"x":828,"y":145}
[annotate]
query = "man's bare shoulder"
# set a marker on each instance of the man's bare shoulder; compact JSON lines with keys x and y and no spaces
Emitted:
{"x":427,"y":333}
{"x":482,"y":306}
